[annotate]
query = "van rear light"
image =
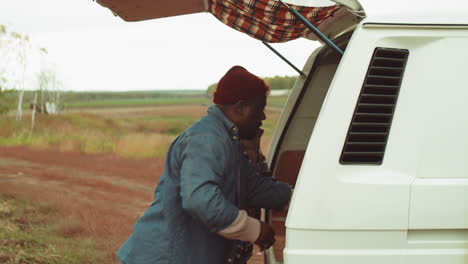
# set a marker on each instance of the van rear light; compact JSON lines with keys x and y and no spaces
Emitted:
{"x":368,"y":133}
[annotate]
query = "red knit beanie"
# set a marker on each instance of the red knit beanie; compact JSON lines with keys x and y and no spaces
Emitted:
{"x":239,"y":84}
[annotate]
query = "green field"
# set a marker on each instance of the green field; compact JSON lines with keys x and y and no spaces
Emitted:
{"x":130,"y":124}
{"x":130,"y":134}
{"x":136,"y":102}
{"x":276,"y":101}
{"x":73,"y":100}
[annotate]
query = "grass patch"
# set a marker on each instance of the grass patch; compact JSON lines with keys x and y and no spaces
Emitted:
{"x":31,"y":233}
{"x":141,"y":145}
{"x":172,"y":125}
{"x":134,"y":137}
{"x":129,"y":132}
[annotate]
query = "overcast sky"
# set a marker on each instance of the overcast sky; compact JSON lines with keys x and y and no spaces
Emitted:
{"x":91,"y":49}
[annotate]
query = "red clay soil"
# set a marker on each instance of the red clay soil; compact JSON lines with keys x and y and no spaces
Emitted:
{"x":102,"y":195}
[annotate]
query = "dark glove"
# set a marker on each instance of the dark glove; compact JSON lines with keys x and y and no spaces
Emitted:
{"x":266,"y":238}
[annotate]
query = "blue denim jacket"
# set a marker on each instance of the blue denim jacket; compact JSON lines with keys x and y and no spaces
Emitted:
{"x":197,"y":196}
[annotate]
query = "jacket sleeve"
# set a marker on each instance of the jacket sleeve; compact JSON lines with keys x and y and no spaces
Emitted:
{"x":266,"y":192}
{"x":204,"y":160}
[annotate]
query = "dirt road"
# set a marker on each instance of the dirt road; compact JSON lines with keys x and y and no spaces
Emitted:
{"x":102,"y":195}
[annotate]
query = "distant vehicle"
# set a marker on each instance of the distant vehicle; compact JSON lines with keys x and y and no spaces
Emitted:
{"x":376,"y":141}
{"x":47,"y":108}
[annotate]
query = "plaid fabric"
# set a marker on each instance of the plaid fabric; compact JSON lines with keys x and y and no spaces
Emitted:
{"x":268,"y":20}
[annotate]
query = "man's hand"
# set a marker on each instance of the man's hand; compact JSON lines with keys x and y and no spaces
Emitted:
{"x":266,"y":238}
{"x":252,"y":148}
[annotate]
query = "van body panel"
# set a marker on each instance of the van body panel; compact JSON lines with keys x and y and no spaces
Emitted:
{"x":289,"y":107}
{"x":350,"y":247}
{"x":439,"y":204}
{"x":307,"y":113}
{"x":383,"y":256}
{"x":416,"y":11}
{"x":413,"y":207}
{"x":370,"y":247}
{"x":444,"y":93}
{"x":335,"y":192}
{"x":343,"y":188}
{"x":351,"y":4}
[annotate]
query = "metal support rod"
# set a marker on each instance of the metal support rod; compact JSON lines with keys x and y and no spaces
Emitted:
{"x":315,"y":30}
{"x":283,"y":58}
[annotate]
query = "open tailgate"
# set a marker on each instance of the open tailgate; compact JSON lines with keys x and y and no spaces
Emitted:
{"x":137,"y":10}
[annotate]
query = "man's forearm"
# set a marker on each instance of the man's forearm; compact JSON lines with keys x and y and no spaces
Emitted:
{"x":244,"y":228}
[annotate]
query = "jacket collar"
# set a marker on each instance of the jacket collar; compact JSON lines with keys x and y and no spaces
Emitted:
{"x":219,"y":115}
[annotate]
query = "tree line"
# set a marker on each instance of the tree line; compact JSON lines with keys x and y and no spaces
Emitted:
{"x":83,"y":96}
{"x":71,"y":96}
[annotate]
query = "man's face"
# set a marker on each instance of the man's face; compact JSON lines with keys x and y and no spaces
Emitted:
{"x":251,"y":117}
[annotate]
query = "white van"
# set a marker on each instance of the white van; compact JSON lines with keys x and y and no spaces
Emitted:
{"x":376,"y":141}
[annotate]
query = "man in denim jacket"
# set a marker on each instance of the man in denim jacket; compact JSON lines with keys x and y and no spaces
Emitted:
{"x":199,"y":207}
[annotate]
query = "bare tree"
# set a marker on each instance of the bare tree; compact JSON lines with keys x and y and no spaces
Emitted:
{"x":17,"y":54}
{"x":14,"y":48}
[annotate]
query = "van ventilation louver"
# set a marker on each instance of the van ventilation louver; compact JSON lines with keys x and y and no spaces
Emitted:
{"x":372,"y":118}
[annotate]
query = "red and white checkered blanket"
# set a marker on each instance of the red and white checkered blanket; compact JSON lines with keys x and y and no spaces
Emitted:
{"x":268,"y":20}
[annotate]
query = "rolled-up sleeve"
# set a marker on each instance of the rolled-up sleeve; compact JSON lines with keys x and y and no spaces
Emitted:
{"x":204,"y":160}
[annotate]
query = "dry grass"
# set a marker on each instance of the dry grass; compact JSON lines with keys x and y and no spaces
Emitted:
{"x":135,"y":133}
{"x":134,"y":137}
{"x":82,"y":219}
{"x":162,"y":111}
{"x":30,"y":234}
{"x":143,"y":145}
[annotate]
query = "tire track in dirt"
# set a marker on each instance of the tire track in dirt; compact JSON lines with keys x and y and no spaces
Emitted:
{"x":94,"y":188}
{"x":21,"y":165}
